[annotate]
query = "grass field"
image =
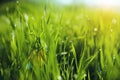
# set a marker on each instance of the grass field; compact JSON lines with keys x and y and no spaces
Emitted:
{"x":50,"y":42}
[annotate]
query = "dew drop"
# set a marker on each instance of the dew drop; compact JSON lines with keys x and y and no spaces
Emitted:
{"x":13,"y":36}
{"x":17,"y":2}
{"x":114,"y":57}
{"x":59,"y":77}
{"x":75,"y":76}
{"x":95,"y":29}
{"x":100,"y":49}
{"x":63,"y":53}
{"x":26,"y":17}
{"x":85,"y":75}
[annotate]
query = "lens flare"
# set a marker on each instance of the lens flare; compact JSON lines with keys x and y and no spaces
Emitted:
{"x":107,"y":3}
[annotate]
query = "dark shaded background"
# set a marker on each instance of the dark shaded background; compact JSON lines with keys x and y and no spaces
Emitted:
{"x":5,"y":1}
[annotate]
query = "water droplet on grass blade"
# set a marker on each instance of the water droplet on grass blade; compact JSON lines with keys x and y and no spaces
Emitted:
{"x":63,"y":53}
{"x":13,"y":36}
{"x":100,"y":49}
{"x":75,"y":76}
{"x":59,"y":77}
{"x":95,"y":29}
{"x":114,"y":57}
{"x":26,"y":17}
{"x":17,"y":2}
{"x":85,"y":75}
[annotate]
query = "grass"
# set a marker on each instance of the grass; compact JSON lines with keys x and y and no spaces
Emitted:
{"x":48,"y":42}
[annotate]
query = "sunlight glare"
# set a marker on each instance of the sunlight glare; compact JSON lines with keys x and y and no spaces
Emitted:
{"x":107,"y":3}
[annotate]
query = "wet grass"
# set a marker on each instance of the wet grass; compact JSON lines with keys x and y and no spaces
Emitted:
{"x":47,"y":42}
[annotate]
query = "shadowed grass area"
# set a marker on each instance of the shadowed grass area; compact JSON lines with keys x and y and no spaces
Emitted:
{"x":47,"y":42}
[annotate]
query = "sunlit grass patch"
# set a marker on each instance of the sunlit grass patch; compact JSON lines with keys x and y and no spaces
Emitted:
{"x":72,"y":43}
